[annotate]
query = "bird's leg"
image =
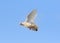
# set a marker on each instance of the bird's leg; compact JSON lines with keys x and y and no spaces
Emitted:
{"x":29,"y":27}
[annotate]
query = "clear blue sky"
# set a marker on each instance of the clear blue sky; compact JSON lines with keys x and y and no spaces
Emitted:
{"x":14,"y":11}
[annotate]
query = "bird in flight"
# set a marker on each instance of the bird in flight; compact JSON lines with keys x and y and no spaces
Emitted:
{"x":29,"y":22}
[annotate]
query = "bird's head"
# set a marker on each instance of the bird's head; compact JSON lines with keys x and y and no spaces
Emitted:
{"x":25,"y":24}
{"x":22,"y":23}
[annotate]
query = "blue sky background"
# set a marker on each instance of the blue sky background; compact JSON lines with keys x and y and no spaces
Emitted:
{"x":12,"y":12}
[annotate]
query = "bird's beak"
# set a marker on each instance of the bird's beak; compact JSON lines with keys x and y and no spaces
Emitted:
{"x":21,"y":24}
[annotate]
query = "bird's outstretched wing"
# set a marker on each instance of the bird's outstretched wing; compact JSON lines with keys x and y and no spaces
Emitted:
{"x":31,"y":16}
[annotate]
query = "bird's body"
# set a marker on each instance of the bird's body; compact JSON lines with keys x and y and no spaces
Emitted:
{"x":29,"y":23}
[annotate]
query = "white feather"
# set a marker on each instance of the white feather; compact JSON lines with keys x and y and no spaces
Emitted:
{"x":31,"y":16}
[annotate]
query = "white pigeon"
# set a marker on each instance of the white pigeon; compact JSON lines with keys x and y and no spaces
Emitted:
{"x":29,"y":22}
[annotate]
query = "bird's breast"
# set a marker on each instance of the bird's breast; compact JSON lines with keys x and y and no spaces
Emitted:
{"x":27,"y":24}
